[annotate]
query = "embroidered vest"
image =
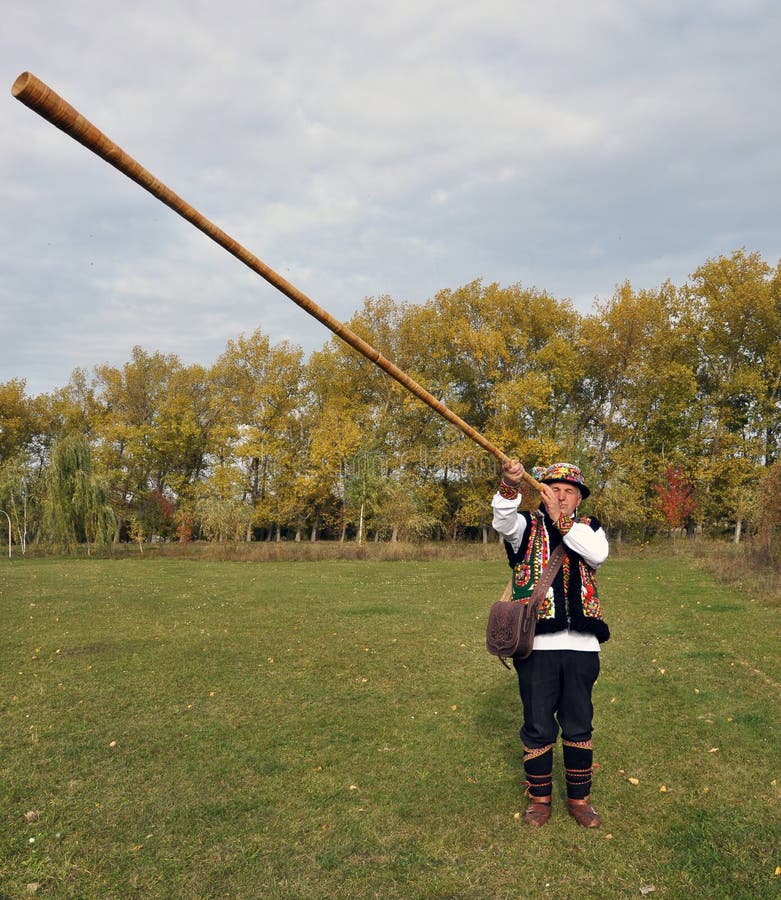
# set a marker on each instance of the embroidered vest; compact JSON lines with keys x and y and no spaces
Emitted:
{"x":573,"y":600}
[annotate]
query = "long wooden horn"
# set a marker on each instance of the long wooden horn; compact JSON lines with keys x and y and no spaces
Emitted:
{"x":34,"y":93}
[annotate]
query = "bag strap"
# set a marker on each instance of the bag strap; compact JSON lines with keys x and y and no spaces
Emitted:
{"x":543,"y":584}
{"x":547,"y":575}
{"x":545,"y":581}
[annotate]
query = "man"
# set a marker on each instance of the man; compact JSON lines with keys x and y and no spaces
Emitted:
{"x":556,"y":679}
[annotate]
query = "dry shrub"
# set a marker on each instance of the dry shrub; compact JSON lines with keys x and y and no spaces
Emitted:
{"x":318,"y":551}
{"x":746,"y":566}
{"x":766,"y":543}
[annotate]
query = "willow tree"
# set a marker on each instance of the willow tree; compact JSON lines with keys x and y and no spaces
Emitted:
{"x":76,"y":509}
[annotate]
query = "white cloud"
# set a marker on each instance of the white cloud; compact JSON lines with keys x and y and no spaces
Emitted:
{"x":370,"y":148}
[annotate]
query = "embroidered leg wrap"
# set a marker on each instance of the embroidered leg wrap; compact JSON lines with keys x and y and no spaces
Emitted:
{"x":578,"y":764}
{"x":538,"y":766}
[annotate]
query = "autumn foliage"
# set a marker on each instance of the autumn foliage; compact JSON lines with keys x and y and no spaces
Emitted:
{"x":266,"y":443}
{"x":675,"y":498}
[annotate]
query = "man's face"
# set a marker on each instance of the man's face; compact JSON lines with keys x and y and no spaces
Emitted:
{"x":568,"y":495}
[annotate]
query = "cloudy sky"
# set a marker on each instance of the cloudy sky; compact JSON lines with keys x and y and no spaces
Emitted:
{"x":368,"y":148}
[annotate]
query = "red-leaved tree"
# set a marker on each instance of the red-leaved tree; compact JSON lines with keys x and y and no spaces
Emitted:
{"x":675,"y":498}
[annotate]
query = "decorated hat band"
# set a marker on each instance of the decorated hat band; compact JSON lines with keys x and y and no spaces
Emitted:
{"x":562,"y":471}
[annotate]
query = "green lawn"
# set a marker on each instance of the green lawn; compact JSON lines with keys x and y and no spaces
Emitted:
{"x":175,"y":728}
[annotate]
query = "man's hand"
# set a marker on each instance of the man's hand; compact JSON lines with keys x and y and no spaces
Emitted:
{"x":551,"y":501}
{"x":512,"y":472}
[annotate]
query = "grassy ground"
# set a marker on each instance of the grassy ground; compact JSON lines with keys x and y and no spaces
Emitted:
{"x":176,"y":728}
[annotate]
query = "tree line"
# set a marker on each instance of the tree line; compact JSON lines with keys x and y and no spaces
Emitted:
{"x":669,"y":399}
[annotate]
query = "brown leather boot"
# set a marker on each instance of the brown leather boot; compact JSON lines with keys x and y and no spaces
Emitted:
{"x":538,"y":811}
{"x":583,"y":813}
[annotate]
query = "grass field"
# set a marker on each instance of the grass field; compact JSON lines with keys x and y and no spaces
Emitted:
{"x":176,"y":728}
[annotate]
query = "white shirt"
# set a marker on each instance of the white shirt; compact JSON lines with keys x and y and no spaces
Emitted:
{"x":581,"y":538}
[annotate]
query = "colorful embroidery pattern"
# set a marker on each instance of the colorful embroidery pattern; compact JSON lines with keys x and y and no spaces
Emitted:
{"x":562,"y":471}
{"x":564,"y":523}
{"x":589,"y":597}
{"x":508,"y":491}
{"x":523,"y":574}
{"x":545,"y":610}
{"x":527,"y":571}
{"x":534,"y":752}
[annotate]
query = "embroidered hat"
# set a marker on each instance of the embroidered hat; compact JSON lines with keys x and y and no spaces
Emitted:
{"x":562,"y":471}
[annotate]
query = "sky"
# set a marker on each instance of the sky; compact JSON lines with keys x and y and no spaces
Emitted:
{"x":366,"y":148}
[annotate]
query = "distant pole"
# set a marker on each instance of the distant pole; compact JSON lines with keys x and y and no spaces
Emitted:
{"x":9,"y":531}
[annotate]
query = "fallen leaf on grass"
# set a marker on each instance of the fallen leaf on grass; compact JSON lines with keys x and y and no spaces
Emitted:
{"x":663,"y":789}
{"x":634,"y":780}
{"x":608,"y":837}
{"x":777,"y":871}
{"x":647,"y":889}
{"x":713,"y":750}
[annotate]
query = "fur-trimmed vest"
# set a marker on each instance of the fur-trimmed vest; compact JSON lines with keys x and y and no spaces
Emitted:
{"x":577,"y":607}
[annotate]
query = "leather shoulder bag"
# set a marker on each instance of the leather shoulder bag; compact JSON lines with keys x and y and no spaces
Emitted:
{"x":511,"y":623}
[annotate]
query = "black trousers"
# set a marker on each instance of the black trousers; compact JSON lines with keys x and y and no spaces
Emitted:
{"x":555,"y":688}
